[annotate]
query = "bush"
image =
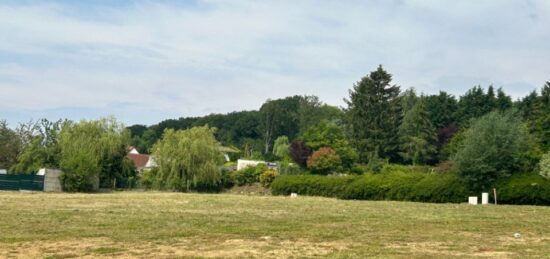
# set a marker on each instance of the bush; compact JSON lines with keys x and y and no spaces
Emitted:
{"x":248,"y":175}
{"x":147,"y":178}
{"x":267,"y":177}
{"x":529,"y":189}
{"x":524,"y":189}
{"x":439,"y":188}
{"x":392,"y":186}
{"x":324,"y":161}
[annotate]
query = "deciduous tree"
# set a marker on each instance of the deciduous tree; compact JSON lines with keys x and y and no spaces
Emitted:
{"x":188,"y":159}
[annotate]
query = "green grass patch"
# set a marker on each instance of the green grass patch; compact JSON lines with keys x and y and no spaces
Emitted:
{"x":176,"y":225}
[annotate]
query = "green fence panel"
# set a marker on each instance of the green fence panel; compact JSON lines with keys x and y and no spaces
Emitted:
{"x":14,"y":182}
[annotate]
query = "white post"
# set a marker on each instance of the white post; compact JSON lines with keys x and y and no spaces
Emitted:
{"x":472,"y":200}
{"x":484,"y":198}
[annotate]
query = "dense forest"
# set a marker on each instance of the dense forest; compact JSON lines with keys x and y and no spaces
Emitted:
{"x":381,"y":119}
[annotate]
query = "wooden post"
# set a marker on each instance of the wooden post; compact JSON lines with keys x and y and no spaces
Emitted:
{"x":495,"y":195}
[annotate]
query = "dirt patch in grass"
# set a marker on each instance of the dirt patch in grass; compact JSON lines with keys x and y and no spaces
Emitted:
{"x":444,"y":249}
{"x":266,"y":247}
{"x":252,"y":189}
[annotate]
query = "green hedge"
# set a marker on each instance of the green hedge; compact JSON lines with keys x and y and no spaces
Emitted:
{"x":438,"y":188}
{"x":524,"y":189}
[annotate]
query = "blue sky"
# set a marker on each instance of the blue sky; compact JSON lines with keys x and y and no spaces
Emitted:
{"x":145,"y":61}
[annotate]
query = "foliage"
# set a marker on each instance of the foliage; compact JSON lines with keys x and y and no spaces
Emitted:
{"x":94,"y":153}
{"x":248,"y":175}
{"x":39,"y":143}
{"x":80,"y":172}
{"x":286,"y":167}
{"x":492,"y":148}
{"x":281,"y":146}
{"x":188,"y":159}
{"x":390,"y":186}
{"x":544,"y":166}
{"x":375,"y":163}
{"x":324,"y":161}
{"x":147,"y":179}
{"x":535,"y":109}
{"x":10,"y":146}
{"x":441,"y":109}
{"x":290,"y":116}
{"x":327,"y":134}
{"x":373,"y":115}
{"x":299,"y":152}
{"x":524,"y":189}
{"x":267,"y":177}
{"x":417,"y":135}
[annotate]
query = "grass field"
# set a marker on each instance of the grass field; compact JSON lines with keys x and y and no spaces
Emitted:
{"x":133,"y":224}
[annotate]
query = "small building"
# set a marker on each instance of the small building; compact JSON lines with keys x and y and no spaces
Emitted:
{"x":3,"y":171}
{"x":242,"y":164}
{"x":142,"y":162}
{"x":132,"y":150}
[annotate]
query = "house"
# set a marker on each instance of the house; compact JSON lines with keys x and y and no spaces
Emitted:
{"x":242,"y":164}
{"x":132,"y":150}
{"x":141,"y":161}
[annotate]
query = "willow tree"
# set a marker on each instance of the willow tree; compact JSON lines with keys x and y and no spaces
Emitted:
{"x":188,"y":159}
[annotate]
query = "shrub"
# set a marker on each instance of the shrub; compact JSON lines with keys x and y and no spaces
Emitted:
{"x":287,"y":168}
{"x":147,"y":178}
{"x":375,"y":163}
{"x":80,"y":173}
{"x":324,"y":161}
{"x":267,"y":177}
{"x":524,"y":189}
{"x":444,"y":167}
{"x":439,"y":188}
{"x":248,"y":175}
{"x":393,"y":186}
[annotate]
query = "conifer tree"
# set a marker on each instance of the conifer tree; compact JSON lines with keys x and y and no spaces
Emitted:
{"x":373,"y":115}
{"x":417,"y":134}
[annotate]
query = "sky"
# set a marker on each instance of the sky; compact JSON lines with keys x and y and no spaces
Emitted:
{"x":146,"y":61}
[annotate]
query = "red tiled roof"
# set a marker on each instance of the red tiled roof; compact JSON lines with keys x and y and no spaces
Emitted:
{"x":139,"y":159}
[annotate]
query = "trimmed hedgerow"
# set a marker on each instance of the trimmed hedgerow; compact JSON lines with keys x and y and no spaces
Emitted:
{"x":524,"y":189}
{"x":440,"y":188}
{"x":437,"y":188}
{"x":406,"y":187}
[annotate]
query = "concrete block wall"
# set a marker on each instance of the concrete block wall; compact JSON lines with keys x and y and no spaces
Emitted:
{"x":52,"y":181}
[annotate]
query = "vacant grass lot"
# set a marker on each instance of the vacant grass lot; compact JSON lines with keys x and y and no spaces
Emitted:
{"x":200,"y":225}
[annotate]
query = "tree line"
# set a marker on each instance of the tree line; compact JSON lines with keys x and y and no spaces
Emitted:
{"x":482,"y":134}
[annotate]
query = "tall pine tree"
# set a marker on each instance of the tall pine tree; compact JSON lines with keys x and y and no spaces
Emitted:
{"x":418,"y":135}
{"x":373,"y":116}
